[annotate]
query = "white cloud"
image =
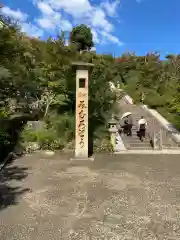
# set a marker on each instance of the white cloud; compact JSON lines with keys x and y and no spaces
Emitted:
{"x":81,"y":11}
{"x":45,"y":8}
{"x":65,"y":25}
{"x":95,"y":36}
{"x":74,"y":7}
{"x":45,"y":23}
{"x":54,"y":23}
{"x":32,"y":30}
{"x":111,"y":38}
{"x":26,"y":27}
{"x":111,"y":7}
{"x":99,"y":20}
{"x":55,"y":15}
{"x":15,"y":14}
{"x":51,"y":19}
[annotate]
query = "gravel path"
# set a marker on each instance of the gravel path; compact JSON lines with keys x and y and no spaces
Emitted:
{"x":123,"y":197}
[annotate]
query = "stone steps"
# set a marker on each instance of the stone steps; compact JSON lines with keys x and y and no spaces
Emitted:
{"x":133,"y":142}
{"x":153,"y":126}
{"x":134,"y":138}
{"x":136,"y":141}
{"x":136,"y":144}
{"x":139,"y":148}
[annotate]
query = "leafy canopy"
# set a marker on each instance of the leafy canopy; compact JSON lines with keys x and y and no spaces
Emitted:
{"x":82,"y":37}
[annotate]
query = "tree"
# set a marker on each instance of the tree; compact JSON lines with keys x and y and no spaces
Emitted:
{"x":82,"y":37}
{"x":36,"y":77}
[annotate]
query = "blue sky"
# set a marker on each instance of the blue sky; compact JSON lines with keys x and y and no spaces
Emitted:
{"x":137,"y":26}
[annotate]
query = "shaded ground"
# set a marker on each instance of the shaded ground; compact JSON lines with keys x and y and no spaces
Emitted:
{"x":122,"y":197}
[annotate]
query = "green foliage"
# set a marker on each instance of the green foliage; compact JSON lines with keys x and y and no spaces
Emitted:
{"x":4,"y":137}
{"x":48,"y":139}
{"x":37,"y":79}
{"x":102,"y":140}
{"x":45,"y":139}
{"x":63,"y":125}
{"x":58,"y":131}
{"x":82,"y":37}
{"x":28,"y":136}
{"x":103,"y":145}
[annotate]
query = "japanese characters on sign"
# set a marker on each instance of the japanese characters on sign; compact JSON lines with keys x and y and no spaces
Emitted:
{"x":82,"y":94}
{"x":81,"y":125}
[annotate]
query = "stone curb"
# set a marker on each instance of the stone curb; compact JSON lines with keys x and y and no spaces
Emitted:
{"x":151,"y":152}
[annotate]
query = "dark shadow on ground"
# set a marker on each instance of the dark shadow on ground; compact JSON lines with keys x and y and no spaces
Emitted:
{"x":9,"y":194}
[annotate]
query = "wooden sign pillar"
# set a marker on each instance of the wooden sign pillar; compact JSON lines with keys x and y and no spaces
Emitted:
{"x":81,"y":137}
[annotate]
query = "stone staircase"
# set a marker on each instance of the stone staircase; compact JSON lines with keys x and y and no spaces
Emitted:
{"x":153,"y":126}
{"x":133,"y":142}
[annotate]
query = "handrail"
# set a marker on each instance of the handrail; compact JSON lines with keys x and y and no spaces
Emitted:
{"x":157,"y":134}
{"x":150,"y":136}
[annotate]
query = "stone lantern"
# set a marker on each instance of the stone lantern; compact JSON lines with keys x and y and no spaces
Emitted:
{"x":113,"y":131}
{"x":112,"y":124}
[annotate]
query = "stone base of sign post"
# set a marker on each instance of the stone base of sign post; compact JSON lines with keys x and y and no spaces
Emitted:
{"x":81,"y":136}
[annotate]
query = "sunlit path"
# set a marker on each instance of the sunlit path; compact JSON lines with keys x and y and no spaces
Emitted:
{"x":124,"y":196}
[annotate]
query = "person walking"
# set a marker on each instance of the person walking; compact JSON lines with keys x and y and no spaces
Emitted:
{"x":125,"y":127}
{"x":129,"y":126}
{"x":142,"y":123}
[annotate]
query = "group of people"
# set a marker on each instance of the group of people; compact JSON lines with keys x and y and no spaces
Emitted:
{"x":127,"y":127}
